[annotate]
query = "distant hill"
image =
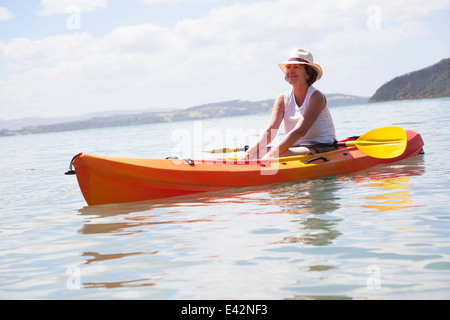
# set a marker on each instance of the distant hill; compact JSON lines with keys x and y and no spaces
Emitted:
{"x":20,"y":123}
{"x":430,"y":82}
{"x":212,"y":110}
{"x":338,"y":100}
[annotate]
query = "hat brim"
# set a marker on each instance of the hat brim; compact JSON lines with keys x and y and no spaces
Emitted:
{"x":283,"y":67}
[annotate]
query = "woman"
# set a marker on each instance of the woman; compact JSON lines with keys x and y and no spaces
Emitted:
{"x":307,"y":120}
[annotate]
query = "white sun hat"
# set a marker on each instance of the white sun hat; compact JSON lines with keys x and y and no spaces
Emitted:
{"x":302,"y":56}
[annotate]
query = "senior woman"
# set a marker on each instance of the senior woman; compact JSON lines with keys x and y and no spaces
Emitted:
{"x":307,"y":120}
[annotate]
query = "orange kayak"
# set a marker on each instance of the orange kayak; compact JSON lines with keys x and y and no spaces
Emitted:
{"x":104,"y":180}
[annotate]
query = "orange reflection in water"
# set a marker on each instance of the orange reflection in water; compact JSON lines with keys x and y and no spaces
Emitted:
{"x":130,"y":228}
{"x":398,"y":195}
{"x":96,"y":256}
{"x":147,"y":282}
{"x":391,"y":185}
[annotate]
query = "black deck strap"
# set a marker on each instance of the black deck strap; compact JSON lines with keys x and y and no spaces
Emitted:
{"x":336,"y":144}
{"x":189,"y":161}
{"x":315,"y":159}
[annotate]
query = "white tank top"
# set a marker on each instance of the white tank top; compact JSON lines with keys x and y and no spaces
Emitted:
{"x":322,"y":131}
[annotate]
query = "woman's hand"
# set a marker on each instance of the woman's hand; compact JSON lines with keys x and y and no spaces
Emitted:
{"x":246,"y":156}
{"x":273,"y":153}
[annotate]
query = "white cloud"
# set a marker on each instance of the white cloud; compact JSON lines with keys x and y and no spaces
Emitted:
{"x":54,"y":48}
{"x":177,"y":1}
{"x":50,"y":7}
{"x":230,"y":53}
{"x":163,"y":1}
{"x":401,"y":10}
{"x":5,"y":14}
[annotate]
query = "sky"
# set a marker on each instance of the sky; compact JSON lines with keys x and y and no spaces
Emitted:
{"x":72,"y":57}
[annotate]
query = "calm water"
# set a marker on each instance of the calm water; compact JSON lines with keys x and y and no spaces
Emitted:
{"x":378,"y":234}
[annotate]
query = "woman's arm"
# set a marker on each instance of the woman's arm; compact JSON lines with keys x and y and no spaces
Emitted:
{"x":316,"y":105}
{"x":260,"y":148}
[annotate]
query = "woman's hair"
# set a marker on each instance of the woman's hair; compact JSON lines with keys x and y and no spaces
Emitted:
{"x":312,"y":74}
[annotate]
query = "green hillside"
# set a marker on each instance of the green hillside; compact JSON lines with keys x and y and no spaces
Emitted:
{"x":212,"y":110}
{"x":430,"y":82}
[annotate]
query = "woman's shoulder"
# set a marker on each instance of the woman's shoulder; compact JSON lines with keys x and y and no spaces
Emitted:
{"x":318,"y":98}
{"x":279,"y":101}
{"x":315,"y":92}
{"x":286,"y":95}
{"x":312,"y":90}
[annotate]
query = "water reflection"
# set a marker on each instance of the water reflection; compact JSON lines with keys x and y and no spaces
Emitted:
{"x":320,"y":208}
{"x":146,"y":282}
{"x":397,"y":197}
{"x":313,"y":202}
{"x":308,"y":202}
{"x":160,"y":237}
{"x":104,"y":257}
{"x":390,"y":187}
{"x":130,"y":228}
{"x":157,"y":239}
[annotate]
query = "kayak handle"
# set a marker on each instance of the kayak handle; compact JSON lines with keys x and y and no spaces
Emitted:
{"x":71,"y":171}
{"x":315,"y":159}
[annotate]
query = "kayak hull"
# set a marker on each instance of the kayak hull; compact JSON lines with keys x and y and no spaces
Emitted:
{"x":104,"y":180}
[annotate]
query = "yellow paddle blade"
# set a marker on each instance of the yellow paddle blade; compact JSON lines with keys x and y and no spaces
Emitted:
{"x":383,"y":143}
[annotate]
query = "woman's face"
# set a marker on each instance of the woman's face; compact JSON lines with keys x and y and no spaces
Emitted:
{"x":295,"y":73}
